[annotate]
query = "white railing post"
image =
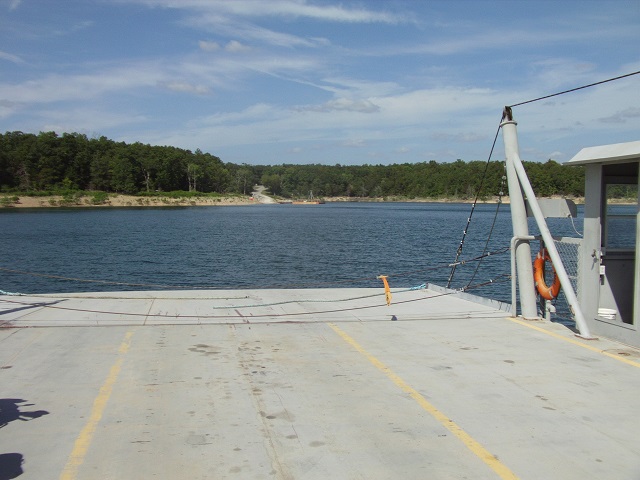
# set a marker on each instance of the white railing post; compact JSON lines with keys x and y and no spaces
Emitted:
{"x":515,"y":243}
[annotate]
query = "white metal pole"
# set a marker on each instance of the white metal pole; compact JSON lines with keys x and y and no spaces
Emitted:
{"x":509,"y":131}
{"x":515,"y":243}
{"x":524,"y":268}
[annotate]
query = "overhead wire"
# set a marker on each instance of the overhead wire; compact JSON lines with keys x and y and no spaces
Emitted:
{"x":473,"y":207}
{"x":493,"y":224}
{"x":575,"y":89}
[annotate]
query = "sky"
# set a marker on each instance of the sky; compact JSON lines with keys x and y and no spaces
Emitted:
{"x":324,"y":81}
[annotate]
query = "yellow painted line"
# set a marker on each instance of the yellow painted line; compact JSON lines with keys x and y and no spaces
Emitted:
{"x":575,"y":342}
{"x":503,"y":471}
{"x":85,"y":437}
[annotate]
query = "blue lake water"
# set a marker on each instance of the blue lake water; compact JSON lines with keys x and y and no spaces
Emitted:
{"x":261,"y":246}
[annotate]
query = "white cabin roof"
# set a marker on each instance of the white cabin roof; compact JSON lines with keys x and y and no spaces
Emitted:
{"x":614,"y":153}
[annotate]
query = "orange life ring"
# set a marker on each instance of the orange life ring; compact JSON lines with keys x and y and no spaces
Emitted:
{"x":546,"y":292}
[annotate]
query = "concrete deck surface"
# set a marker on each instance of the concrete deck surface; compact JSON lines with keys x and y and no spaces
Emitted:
{"x":241,"y":385}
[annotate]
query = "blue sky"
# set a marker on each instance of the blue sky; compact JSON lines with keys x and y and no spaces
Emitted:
{"x":323,"y":81}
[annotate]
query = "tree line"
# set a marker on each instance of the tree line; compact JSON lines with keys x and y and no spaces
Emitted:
{"x":48,"y":162}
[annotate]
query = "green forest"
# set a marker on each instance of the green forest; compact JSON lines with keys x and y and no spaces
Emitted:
{"x":49,"y":163}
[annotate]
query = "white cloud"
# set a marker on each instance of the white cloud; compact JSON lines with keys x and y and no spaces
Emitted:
{"x":209,"y":46}
{"x":236,"y":47}
{"x":504,"y":39}
{"x":425,"y":105}
{"x":8,"y":108}
{"x":74,"y":28}
{"x":301,"y":8}
{"x":351,"y":87}
{"x":283,"y":8}
{"x":344,"y":104}
{"x":252,"y":114}
{"x":85,"y":120}
{"x":190,"y":76}
{"x":185,"y":87}
{"x":14,"y":4}
{"x":354,"y":143}
{"x":553,"y":73}
{"x":232,"y":46}
{"x":11,"y":58}
{"x":398,"y":117}
{"x":55,"y":87}
{"x":622,"y":116}
{"x":251,"y":32}
{"x":464,"y":137}
{"x":225,"y":17}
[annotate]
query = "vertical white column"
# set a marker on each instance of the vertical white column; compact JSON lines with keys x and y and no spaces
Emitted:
{"x":589,"y":277}
{"x":636,"y":297}
{"x":524,"y":268}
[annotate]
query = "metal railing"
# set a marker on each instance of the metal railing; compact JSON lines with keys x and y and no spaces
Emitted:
{"x":569,"y":250}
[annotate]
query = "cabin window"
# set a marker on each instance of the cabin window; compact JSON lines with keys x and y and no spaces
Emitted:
{"x":622,"y":206}
{"x":620,"y":209}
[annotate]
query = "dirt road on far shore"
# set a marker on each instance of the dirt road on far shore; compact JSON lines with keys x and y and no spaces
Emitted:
{"x":261,"y":197}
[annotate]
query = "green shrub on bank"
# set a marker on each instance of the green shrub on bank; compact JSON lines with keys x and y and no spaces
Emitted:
{"x":71,"y":198}
{"x":9,"y":201}
{"x":99,"y":198}
{"x":185,"y":194}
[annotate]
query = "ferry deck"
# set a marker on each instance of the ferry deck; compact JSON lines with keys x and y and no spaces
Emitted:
{"x":307,"y":384}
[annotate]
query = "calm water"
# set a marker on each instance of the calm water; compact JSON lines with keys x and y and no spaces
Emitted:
{"x":262,"y":246}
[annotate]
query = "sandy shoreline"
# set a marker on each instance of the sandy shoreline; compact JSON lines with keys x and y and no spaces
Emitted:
{"x":125,"y":201}
{"x":52,"y":201}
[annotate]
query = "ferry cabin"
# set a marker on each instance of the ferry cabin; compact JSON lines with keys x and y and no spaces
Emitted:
{"x":609,"y":267}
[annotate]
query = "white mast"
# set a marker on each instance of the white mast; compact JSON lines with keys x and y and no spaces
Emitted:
{"x":519,"y":220}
